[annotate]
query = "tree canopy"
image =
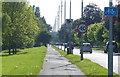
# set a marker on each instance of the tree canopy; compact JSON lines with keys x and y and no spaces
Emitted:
{"x":92,"y":14}
{"x":21,"y":26}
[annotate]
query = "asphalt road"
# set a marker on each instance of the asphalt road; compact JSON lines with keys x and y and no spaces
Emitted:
{"x":101,"y":58}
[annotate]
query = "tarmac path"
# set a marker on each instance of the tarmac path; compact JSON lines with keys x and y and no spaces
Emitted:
{"x":56,"y":64}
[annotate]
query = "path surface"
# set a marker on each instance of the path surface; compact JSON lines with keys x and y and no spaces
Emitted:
{"x":56,"y":64}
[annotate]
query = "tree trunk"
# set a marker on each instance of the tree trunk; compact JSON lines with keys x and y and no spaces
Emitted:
{"x":9,"y":51}
{"x":13,"y":51}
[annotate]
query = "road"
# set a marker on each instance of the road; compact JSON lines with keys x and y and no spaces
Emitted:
{"x":101,"y":58}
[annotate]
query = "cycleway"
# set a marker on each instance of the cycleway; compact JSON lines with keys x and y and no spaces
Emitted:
{"x":56,"y":64}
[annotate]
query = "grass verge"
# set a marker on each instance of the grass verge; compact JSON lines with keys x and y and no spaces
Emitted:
{"x":98,"y":48}
{"x":26,"y":62}
{"x":90,"y":68}
{"x":0,"y":66}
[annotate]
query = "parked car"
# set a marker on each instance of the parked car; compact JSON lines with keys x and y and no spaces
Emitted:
{"x":115,"y":47}
{"x":87,"y":47}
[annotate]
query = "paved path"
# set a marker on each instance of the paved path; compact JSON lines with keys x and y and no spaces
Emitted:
{"x":56,"y":64}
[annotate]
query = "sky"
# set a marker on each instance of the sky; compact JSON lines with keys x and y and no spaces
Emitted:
{"x":49,"y":8}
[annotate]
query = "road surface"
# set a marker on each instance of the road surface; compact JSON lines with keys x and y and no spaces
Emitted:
{"x":100,"y":57}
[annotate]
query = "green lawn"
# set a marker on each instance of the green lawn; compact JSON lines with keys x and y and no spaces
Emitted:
{"x":26,"y":62}
{"x":88,"y":67}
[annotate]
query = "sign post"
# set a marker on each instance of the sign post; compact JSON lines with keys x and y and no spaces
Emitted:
{"x":81,"y":28}
{"x":110,"y":11}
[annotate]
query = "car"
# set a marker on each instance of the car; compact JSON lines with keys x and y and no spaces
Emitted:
{"x":115,"y":47}
{"x":87,"y":47}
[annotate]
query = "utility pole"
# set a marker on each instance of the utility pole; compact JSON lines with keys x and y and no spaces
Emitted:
{"x":64,"y":11}
{"x":82,"y":9}
{"x":64,"y":19}
{"x":58,"y":22}
{"x":61,"y":18}
{"x":54,"y":28}
{"x":61,"y":12}
{"x":110,"y":52}
{"x":70,"y":9}
{"x":81,"y":47}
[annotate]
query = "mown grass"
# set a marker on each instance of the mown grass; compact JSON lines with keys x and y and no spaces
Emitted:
{"x":0,"y":65}
{"x":90,"y":68}
{"x":100,"y":48}
{"x":26,"y":62}
{"x":96,"y":48}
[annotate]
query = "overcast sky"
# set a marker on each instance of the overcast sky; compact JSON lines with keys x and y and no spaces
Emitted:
{"x":49,"y":8}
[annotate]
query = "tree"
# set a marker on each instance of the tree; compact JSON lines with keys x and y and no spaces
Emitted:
{"x":65,"y":33}
{"x":116,"y":27}
{"x":92,"y":14}
{"x":0,"y":27}
{"x":23,"y":27}
{"x":6,"y":33}
{"x":90,"y":34}
{"x":43,"y":38}
{"x":37,"y":12}
{"x":116,"y":24}
{"x":97,"y":34}
{"x":49,"y":28}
